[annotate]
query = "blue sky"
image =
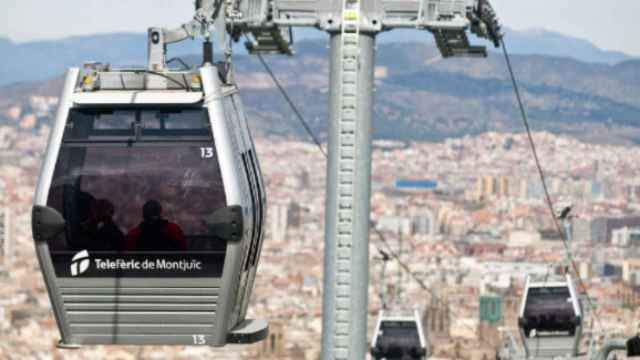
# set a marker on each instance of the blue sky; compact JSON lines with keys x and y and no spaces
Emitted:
{"x":608,"y":24}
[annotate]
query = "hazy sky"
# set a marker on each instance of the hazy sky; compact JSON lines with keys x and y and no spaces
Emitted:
{"x":610,"y":24}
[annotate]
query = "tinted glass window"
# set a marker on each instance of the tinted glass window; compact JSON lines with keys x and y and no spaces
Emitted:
{"x":138,"y":181}
{"x":107,"y":120}
{"x":399,"y":329}
{"x":174,"y":120}
{"x":398,"y":339}
{"x":170,"y":124}
{"x":548,"y":299}
{"x":549,"y":309}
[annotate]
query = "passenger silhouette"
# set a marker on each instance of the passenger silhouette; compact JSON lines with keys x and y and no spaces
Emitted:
{"x":83,"y":220}
{"x":155,"y":233}
{"x":108,"y":234}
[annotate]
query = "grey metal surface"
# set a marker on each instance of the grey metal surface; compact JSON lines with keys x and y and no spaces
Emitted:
{"x":275,"y":40}
{"x":346,"y":264}
{"x":248,"y":331}
{"x":42,"y":192}
{"x":118,"y":80}
{"x":455,"y":43}
{"x":380,"y":15}
{"x":227,"y":150}
{"x":251,"y":11}
{"x":245,"y":131}
{"x":200,"y":26}
{"x":239,"y":141}
{"x":549,"y":347}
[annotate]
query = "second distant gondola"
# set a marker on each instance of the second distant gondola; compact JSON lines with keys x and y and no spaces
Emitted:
{"x":550,"y":317}
{"x":399,"y":336}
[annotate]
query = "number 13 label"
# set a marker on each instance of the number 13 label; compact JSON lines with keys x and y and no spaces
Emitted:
{"x":206,"y":152}
{"x":199,"y":340}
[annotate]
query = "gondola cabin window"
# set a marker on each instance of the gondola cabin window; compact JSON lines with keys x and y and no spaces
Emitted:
{"x":139,"y":182}
{"x":399,"y":330}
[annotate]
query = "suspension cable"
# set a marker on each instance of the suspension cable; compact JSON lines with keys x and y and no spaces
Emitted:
{"x":543,"y":180}
{"x":404,"y":266}
{"x":291,"y":104}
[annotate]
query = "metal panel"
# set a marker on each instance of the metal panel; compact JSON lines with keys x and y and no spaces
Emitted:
{"x":125,"y":305}
{"x":128,"y":339}
{"x":376,"y":15}
{"x":550,"y":346}
{"x":105,"y":314}
{"x":42,"y":192}
{"x":246,"y":132}
{"x":275,"y":40}
{"x":233,"y":109}
{"x":229,"y":167}
{"x":254,"y":11}
{"x":138,"y":329}
{"x":133,"y":284}
{"x":129,"y":80}
{"x":145,"y":299}
{"x":141,"y":317}
{"x":400,"y":9}
{"x":298,"y":9}
{"x":137,"y":97}
{"x":242,"y":147}
{"x":139,"y":291}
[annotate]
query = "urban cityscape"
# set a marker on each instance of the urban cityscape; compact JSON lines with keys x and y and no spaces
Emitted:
{"x":466,"y":215}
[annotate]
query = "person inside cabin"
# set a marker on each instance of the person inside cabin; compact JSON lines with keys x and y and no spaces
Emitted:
{"x":154,"y":232}
{"x":108,"y":234}
{"x":83,"y":220}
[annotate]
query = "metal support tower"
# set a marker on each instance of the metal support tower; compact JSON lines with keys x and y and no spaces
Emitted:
{"x":346,"y":264}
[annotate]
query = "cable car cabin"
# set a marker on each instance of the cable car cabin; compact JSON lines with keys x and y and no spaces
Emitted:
{"x":550,"y":317}
{"x":149,"y":212}
{"x":398,"y":336}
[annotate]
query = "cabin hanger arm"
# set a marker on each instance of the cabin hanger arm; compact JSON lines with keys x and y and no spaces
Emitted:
{"x":207,"y":13}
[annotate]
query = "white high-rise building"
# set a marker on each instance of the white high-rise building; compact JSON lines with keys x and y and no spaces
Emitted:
{"x":5,"y":236}
{"x":424,"y":223}
{"x":284,"y":215}
{"x":4,"y":321}
{"x":279,"y":222}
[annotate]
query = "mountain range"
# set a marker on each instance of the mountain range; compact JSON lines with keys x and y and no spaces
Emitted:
{"x":419,"y":95}
{"x":40,"y":60}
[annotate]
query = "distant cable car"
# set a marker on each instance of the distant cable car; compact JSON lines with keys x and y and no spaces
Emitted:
{"x":149,"y":211}
{"x":399,"y":336}
{"x":550,"y":319}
